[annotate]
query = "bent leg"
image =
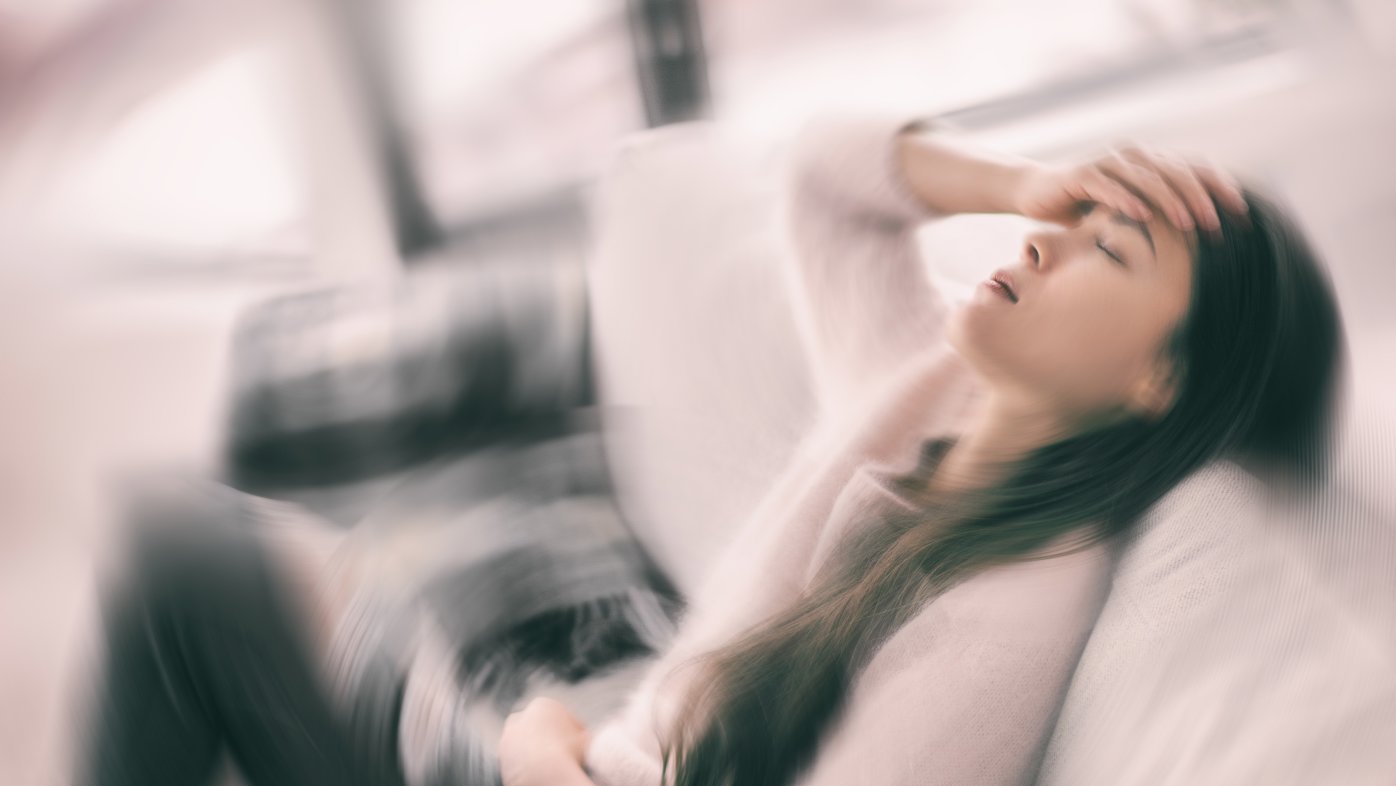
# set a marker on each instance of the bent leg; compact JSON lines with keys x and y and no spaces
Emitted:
{"x":204,"y":654}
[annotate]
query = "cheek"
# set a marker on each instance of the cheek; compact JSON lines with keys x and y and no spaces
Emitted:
{"x":998,"y":341}
{"x":1098,"y":348}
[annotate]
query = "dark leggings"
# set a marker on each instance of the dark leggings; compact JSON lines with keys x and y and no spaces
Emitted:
{"x":204,"y":658}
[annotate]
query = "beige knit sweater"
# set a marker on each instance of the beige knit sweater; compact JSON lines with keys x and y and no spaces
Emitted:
{"x":967,"y":691}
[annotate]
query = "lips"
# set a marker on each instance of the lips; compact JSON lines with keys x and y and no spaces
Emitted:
{"x":1005,"y":279}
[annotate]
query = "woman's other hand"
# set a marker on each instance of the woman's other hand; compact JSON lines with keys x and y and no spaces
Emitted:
{"x":1133,"y":181}
{"x":543,"y":745}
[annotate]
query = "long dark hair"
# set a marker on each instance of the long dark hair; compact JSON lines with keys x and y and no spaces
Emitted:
{"x":1257,"y":357}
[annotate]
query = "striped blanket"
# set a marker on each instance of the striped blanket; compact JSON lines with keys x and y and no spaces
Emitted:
{"x":455,"y":413}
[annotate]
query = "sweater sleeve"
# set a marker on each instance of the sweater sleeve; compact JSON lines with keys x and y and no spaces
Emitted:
{"x":862,"y":298}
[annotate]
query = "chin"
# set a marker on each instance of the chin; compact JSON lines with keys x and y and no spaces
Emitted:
{"x":991,"y":351}
{"x":956,"y":327}
{"x":969,"y":336}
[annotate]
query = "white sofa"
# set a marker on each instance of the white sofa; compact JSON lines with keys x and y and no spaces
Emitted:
{"x":1238,"y":645}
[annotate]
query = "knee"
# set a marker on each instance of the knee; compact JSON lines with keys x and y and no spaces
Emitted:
{"x":184,"y":542}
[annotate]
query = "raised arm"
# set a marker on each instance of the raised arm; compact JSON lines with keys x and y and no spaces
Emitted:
{"x":858,"y":187}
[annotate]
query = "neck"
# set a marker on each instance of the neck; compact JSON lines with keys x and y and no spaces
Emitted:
{"x":1002,"y":431}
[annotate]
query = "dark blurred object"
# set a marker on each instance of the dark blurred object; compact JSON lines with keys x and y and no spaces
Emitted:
{"x":204,"y":657}
{"x":359,"y":26}
{"x":343,"y":385}
{"x":669,"y":59}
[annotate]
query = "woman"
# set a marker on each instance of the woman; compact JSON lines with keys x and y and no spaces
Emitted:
{"x":908,"y":603}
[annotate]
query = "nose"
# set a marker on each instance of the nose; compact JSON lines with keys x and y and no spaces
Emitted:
{"x":1032,"y":252}
{"x":1044,"y":250}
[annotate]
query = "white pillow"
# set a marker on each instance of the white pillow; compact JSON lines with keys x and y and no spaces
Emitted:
{"x":1241,"y":643}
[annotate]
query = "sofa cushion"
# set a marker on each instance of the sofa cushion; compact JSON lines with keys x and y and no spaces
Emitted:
{"x":1245,"y":640}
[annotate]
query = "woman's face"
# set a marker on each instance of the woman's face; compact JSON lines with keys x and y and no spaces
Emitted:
{"x":1095,"y":304}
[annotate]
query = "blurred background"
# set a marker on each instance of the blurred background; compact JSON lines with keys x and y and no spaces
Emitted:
{"x":166,"y":164}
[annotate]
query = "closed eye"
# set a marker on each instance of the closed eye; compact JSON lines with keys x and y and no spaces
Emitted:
{"x":1108,"y":251}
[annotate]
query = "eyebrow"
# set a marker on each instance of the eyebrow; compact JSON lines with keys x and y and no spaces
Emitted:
{"x":1121,"y":219}
{"x":1125,"y":221}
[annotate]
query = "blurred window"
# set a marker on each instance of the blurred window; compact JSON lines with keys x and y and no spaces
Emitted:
{"x":774,"y":60}
{"x":508,"y":101}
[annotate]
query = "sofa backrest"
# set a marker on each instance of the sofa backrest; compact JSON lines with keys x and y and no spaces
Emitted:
{"x":697,"y":361}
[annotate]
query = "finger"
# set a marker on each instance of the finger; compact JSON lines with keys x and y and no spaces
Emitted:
{"x":1150,"y":185}
{"x":1098,"y":188}
{"x":1184,"y":181}
{"x":1224,"y":186}
{"x":581,"y":743}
